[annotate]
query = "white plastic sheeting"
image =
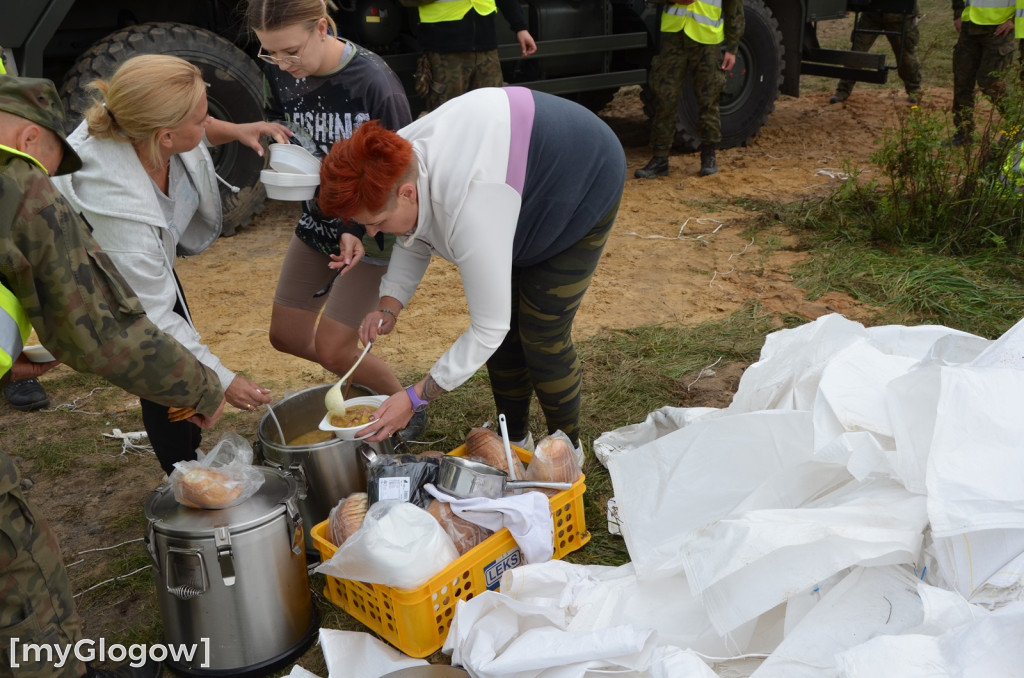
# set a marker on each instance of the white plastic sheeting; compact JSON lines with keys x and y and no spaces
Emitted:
{"x":858,"y":510}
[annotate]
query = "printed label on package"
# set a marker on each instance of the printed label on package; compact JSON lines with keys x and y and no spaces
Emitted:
{"x":494,"y":569}
{"x":393,"y":489}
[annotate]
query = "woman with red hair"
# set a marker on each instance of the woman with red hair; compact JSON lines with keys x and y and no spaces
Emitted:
{"x":517,"y":188}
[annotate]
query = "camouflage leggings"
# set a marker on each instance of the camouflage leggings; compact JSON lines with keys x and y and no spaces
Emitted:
{"x":36,"y":605}
{"x":445,"y":76}
{"x":679,"y":55}
{"x":538,"y":355}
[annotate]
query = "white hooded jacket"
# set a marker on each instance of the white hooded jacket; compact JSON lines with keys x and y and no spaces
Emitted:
{"x":115,"y":195}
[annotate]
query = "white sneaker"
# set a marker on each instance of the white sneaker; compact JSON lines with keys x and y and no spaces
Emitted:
{"x":579,"y":454}
{"x":526,"y":443}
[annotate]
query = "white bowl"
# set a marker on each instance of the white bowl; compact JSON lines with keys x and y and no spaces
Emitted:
{"x":293,"y":159}
{"x":37,"y":354}
{"x":349,"y":433}
{"x":287,"y":186}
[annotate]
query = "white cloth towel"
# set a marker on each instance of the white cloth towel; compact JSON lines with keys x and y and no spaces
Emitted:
{"x":527,"y":517}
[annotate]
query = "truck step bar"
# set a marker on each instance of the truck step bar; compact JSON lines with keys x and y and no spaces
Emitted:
{"x":837,"y":63}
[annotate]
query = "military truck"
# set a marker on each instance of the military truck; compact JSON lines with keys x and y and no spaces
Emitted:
{"x":587,"y":50}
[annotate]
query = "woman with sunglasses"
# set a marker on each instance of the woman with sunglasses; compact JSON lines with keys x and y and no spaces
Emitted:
{"x":324,"y":87}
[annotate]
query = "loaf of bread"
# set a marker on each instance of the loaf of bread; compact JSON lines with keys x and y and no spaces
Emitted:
{"x":346,"y":517}
{"x":485,"y":445}
{"x":464,"y":534}
{"x":207,"y":488}
{"x":554,"y":459}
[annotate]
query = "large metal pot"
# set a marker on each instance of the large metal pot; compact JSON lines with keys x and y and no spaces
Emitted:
{"x":233,"y":582}
{"x":326,"y":472}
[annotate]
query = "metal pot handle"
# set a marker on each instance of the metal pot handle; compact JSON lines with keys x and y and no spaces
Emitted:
{"x":368,"y":454}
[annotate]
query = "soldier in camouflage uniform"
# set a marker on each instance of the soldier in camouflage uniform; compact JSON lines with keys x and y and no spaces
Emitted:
{"x":692,"y":41}
{"x":895,"y":25}
{"x":982,"y":56}
{"x":55,"y":276}
{"x":460,"y":46}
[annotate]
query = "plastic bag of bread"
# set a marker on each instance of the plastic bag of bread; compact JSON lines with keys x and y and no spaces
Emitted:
{"x":554,"y":459}
{"x":484,"y":445}
{"x":464,"y":534}
{"x":221,"y":478}
{"x":346,"y":517}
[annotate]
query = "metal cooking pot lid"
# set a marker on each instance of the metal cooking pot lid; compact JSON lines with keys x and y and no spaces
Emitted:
{"x":430,"y":671}
{"x":170,"y":517}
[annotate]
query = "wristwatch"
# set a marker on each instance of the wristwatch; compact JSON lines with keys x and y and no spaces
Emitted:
{"x":418,"y":404}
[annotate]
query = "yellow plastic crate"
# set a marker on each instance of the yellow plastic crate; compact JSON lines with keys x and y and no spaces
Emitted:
{"x":416,"y":621}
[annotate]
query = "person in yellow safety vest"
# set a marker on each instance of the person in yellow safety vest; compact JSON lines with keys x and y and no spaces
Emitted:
{"x":982,"y":54}
{"x":1018,"y":34}
{"x":54,"y":276}
{"x":700,"y":37}
{"x":26,"y":393}
{"x":1012,"y":173}
{"x":460,"y":46}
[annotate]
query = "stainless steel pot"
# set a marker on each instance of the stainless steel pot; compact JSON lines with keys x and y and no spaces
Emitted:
{"x":235,"y":576}
{"x":465,"y":478}
{"x":326,"y":472}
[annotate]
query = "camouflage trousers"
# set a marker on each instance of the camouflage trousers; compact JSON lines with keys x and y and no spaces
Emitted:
{"x":36,"y":605}
{"x":680,"y":55}
{"x":908,"y":67}
{"x":982,"y":58}
{"x":443,"y":76}
{"x":538,"y":355}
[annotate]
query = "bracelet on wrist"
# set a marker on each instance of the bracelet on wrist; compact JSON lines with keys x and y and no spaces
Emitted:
{"x":387,"y":310}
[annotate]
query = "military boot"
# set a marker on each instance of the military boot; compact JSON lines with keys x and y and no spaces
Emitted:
{"x":707,"y":160}
{"x":657,"y":167}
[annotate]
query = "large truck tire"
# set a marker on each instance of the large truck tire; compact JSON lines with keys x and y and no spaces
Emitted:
{"x":751,"y":88}
{"x":235,"y":94}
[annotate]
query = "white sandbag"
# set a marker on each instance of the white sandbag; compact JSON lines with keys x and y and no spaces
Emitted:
{"x":867,"y":602}
{"x":698,"y":474}
{"x":785,"y":376}
{"x":987,"y":646}
{"x":355,"y":653}
{"x":913,"y":407}
{"x":1007,"y":351}
{"x":746,"y":564}
{"x":593,"y":597}
{"x":975,"y":472}
{"x":660,"y":422}
{"x":986,"y":566}
{"x":928,"y":342}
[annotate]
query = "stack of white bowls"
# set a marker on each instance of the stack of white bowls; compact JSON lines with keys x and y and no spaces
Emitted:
{"x":294,"y":173}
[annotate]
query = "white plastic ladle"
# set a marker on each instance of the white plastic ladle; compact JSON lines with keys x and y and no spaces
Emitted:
{"x":334,"y":400}
{"x":508,"y":447}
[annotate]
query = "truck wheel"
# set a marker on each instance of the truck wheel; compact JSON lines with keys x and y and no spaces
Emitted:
{"x":751,"y":88}
{"x":235,"y":94}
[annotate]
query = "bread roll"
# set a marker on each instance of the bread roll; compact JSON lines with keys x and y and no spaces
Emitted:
{"x":207,"y":488}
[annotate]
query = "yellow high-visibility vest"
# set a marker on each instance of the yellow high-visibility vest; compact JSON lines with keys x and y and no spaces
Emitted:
{"x":988,"y":12}
{"x":14,"y":329}
{"x":453,"y":10}
{"x":1018,"y":21}
{"x":701,"y":20}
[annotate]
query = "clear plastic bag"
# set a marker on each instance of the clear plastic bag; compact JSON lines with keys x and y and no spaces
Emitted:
{"x":554,"y":459}
{"x":221,"y":478}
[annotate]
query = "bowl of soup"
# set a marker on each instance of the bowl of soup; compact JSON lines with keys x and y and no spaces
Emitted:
{"x":356,"y":416}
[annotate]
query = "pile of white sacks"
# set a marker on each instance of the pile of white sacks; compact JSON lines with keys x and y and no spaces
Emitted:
{"x":857,"y":511}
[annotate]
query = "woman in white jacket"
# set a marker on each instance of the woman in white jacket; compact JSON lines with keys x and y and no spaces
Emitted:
{"x":148,"y":190}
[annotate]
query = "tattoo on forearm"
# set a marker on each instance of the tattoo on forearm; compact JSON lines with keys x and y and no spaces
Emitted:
{"x":431,"y":390}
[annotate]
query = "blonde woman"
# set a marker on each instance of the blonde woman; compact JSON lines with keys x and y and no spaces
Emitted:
{"x":148,"y":189}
